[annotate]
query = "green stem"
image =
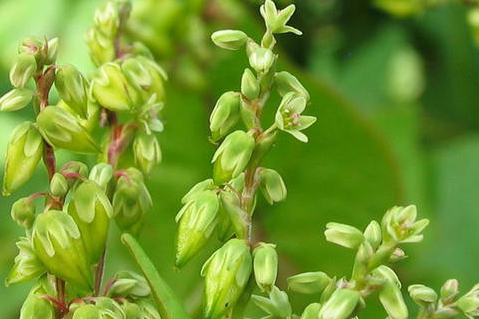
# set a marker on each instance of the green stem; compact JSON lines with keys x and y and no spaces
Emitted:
{"x":169,"y":305}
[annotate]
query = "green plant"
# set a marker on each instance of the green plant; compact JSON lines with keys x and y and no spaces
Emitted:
{"x":65,"y":242}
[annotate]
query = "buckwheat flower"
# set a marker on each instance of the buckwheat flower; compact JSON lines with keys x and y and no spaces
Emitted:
{"x":289,"y":119}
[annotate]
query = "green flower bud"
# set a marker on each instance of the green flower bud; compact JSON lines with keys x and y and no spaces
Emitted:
{"x":276,"y":19}
{"x":147,"y":152}
{"x":22,"y":70}
{"x":100,"y":47}
{"x":35,"y":306}
{"x":57,"y":242}
{"x":27,"y":265}
{"x":231,"y":208}
{"x":344,"y":235}
{"x":445,"y":313}
{"x":265,"y":265}
{"x":109,"y":308}
{"x":132,"y":311}
{"x":196,"y":221}
{"x":422,"y":295}
{"x":449,"y":291}
{"x":286,"y":82}
{"x":309,"y":282}
{"x":277,"y":305}
{"x":131,"y":201}
{"x":397,"y":255}
{"x":72,"y":88}
{"x":31,"y":45}
{"x":232,"y":156}
{"x":59,"y":185}
{"x":52,"y":51}
{"x":15,"y":100}
{"x":23,"y":212}
{"x":311,"y":311}
{"x":24,"y":151}
{"x":146,"y":76}
{"x":148,"y":309}
{"x":249,"y":85}
{"x":61,"y":129}
{"x":469,"y":303}
{"x":225,"y":115}
{"x":87,"y":312}
{"x":128,"y":283}
{"x":399,"y":224}
{"x":91,"y":210}
{"x":272,"y":185}
{"x":329,"y":290}
{"x":107,"y":20}
{"x":392,"y":300}
{"x":373,"y":234}
{"x":198,"y":188}
{"x":341,"y":305}
{"x":229,"y":39}
{"x":112,"y":90}
{"x":289,"y":119}
{"x":226,"y":274}
{"x":386,"y":273}
{"x":101,"y":174}
{"x":262,"y":60}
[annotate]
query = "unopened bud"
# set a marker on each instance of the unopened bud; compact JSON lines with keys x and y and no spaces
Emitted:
{"x":231,"y":208}
{"x":128,"y":283}
{"x":147,"y":152}
{"x":91,"y":210}
{"x":201,"y":186}
{"x":249,"y":85}
{"x":57,"y":242}
{"x":196,"y":222}
{"x":309,"y":282}
{"x":286,"y":82}
{"x":261,"y":60}
{"x":449,"y":291}
{"x":72,"y":88}
{"x":101,"y":174}
{"x":272,"y":185}
{"x":24,"y":151}
{"x":15,"y":100}
{"x":232,"y":156}
{"x":373,"y":234}
{"x":340,"y":305}
{"x":74,"y":168}
{"x":265,"y":265}
{"x":229,"y":39}
{"x":392,"y":300}
{"x":311,"y":311}
{"x":100,"y":47}
{"x":110,"y":308}
{"x":148,"y":309}
{"x":422,"y":294}
{"x":35,"y":306}
{"x":27,"y":265}
{"x":52,"y":51}
{"x":23,"y":212}
{"x":226,"y":274}
{"x":59,"y":185}
{"x":132,"y":311}
{"x":107,"y":19}
{"x":225,"y":115}
{"x":277,"y":305}
{"x":62,"y":130}
{"x":87,"y":312}
{"x":344,"y":235}
{"x":22,"y":70}
{"x":397,"y":255}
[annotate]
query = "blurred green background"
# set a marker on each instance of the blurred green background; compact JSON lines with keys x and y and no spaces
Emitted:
{"x":398,"y":123}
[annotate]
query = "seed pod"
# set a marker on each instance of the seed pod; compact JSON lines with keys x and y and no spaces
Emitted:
{"x":229,"y":39}
{"x":373,"y":234}
{"x":265,"y":262}
{"x":72,"y":88}
{"x":341,"y":304}
{"x":15,"y":100}
{"x":147,"y":152}
{"x":272,"y":186}
{"x":309,"y":282}
{"x":59,"y":185}
{"x":131,"y":201}
{"x":232,"y":156}
{"x":101,"y":174}
{"x":196,"y":221}
{"x":111,"y":89}
{"x":87,"y":312}
{"x":57,"y":242}
{"x":23,"y":212}
{"x":226,"y":274}
{"x":100,"y":47}
{"x":225,"y":115}
{"x":91,"y":210}
{"x":286,"y":82}
{"x":24,"y":151}
{"x":27,"y":265}
{"x":422,"y":295}
{"x":22,"y":70}
{"x":262,"y":60}
{"x":249,"y":85}
{"x":128,"y":283}
{"x":344,"y":235}
{"x":35,"y":306}
{"x":311,"y":311}
{"x":62,"y":130}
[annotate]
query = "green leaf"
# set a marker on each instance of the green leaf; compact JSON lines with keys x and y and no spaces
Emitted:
{"x":169,"y":305}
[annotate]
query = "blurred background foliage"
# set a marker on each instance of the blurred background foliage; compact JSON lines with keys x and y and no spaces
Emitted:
{"x":398,"y":123}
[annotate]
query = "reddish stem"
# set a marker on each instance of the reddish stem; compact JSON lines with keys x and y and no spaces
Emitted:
{"x":49,"y":159}
{"x":62,"y":308}
{"x":108,"y":286}
{"x":99,"y":273}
